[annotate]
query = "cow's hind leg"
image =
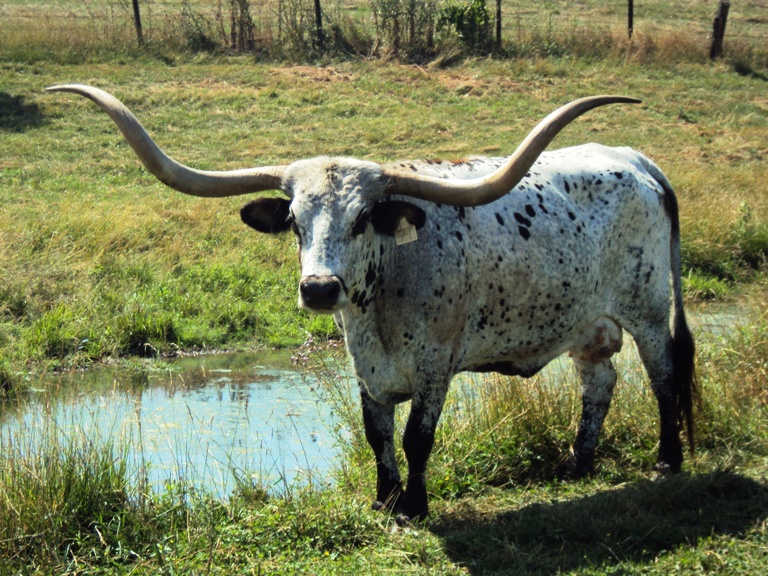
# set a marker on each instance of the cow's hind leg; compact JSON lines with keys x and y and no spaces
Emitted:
{"x":379,"y":421}
{"x":657,"y":353}
{"x":597,"y":383}
{"x":596,"y":344}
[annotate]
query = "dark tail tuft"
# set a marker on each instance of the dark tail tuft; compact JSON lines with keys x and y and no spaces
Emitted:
{"x":683,"y":355}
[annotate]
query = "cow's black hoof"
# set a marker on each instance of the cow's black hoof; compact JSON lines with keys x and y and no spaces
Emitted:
{"x":665,"y":468}
{"x":404,"y":520}
{"x":408,"y":517}
{"x":391,"y":503}
{"x":574,"y":468}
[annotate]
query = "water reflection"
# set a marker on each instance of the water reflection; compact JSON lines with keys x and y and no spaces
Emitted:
{"x":204,"y":422}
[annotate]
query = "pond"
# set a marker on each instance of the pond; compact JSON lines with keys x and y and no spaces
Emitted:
{"x":209,"y":420}
{"x":205,"y":421}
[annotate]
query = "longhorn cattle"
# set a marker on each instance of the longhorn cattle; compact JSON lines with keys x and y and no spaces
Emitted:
{"x":432,"y":268}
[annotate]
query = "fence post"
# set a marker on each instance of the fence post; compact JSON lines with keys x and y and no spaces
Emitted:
{"x":630,"y":18}
{"x":137,"y":21}
{"x":319,"y":27}
{"x":498,"y":25}
{"x":718,"y":29}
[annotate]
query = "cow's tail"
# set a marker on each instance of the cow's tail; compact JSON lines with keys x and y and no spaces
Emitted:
{"x":683,"y":346}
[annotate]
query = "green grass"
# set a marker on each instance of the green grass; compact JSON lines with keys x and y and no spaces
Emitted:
{"x":99,"y":260}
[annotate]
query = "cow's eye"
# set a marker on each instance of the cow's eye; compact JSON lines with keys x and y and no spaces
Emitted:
{"x":360,"y":223}
{"x":294,"y":227}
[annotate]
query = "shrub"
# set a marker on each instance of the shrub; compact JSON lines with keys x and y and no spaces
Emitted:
{"x":471,"y":21}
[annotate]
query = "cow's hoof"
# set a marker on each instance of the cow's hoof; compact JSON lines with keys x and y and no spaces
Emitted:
{"x":665,"y":468}
{"x":574,"y":469}
{"x":390,"y":503}
{"x":404,"y":520}
{"x":408,"y":516}
{"x":388,"y":506}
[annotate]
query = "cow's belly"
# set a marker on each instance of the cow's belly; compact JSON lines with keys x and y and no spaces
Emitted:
{"x":510,"y":368}
{"x":592,"y":342}
{"x":392,"y":374}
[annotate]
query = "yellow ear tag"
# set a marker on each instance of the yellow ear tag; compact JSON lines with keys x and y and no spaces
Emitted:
{"x":405,"y":232}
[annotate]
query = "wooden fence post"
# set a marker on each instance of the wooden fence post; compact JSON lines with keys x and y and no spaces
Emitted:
{"x":137,"y":21}
{"x":630,"y":18}
{"x":319,"y":27}
{"x":498,"y":25}
{"x":718,"y":29}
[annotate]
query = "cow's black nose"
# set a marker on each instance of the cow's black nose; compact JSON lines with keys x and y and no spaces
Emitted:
{"x":320,"y":292}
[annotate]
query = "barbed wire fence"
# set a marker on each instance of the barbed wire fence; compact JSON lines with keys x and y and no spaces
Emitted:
{"x":244,"y":25}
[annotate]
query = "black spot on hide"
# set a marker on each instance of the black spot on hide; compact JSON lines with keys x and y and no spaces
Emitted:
{"x":370,"y":276}
{"x":522,"y":219}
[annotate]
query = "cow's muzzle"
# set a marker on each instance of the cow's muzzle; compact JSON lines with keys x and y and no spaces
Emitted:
{"x":322,"y":294}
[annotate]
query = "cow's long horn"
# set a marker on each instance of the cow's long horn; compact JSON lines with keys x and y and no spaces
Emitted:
{"x":182,"y":178}
{"x":484,"y":190}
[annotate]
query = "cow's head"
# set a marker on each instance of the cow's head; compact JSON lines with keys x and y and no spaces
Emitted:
{"x":336,"y":205}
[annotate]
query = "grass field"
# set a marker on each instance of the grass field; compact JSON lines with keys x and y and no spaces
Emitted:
{"x":99,"y":261}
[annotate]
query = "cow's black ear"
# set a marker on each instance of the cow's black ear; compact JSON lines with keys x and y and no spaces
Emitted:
{"x":386,"y":216}
{"x":268,"y":215}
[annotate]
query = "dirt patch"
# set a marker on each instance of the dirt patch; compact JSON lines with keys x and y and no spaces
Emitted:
{"x":317,"y":74}
{"x":215,"y":84}
{"x":469,"y":85}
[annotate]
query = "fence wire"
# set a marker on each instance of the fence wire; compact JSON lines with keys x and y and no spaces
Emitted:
{"x":747,"y":20}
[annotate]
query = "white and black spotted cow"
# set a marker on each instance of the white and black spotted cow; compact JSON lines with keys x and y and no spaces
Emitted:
{"x":491,"y":264}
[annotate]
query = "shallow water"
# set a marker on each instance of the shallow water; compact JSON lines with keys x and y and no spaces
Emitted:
{"x":205,"y":421}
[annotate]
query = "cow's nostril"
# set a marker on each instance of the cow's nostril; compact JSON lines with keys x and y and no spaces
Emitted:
{"x":320,"y":292}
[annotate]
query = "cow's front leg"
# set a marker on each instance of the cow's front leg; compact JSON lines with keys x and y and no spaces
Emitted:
{"x":597,"y":381}
{"x":418,"y":440}
{"x":379,"y":421}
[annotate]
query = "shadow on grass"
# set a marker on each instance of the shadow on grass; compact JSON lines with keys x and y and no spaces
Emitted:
{"x":634,"y":523}
{"x":16,"y":116}
{"x":745,"y":70}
